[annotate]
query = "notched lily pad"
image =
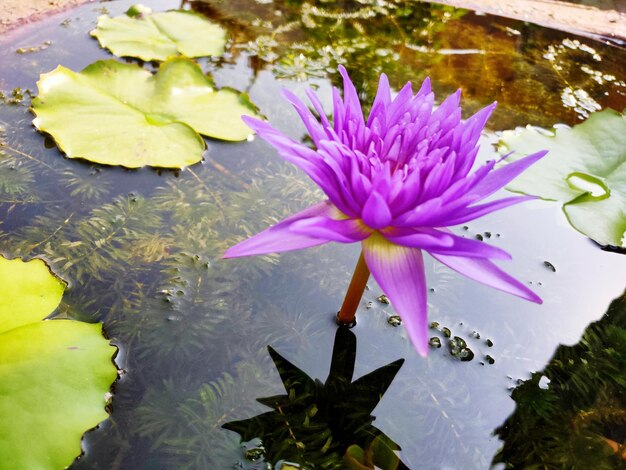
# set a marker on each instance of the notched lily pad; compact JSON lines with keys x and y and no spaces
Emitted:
{"x":585,"y":169}
{"x":121,"y":114}
{"x":158,"y":36}
{"x":53,"y":374}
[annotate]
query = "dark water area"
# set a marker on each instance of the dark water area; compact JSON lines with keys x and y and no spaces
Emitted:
{"x":141,"y":249}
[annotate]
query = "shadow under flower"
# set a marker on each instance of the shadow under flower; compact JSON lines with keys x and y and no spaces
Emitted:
{"x":324,"y":425}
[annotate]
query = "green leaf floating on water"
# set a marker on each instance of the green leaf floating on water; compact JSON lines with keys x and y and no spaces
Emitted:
{"x":157,"y":36}
{"x":585,"y":169}
{"x":121,"y":114}
{"x":53,"y":374}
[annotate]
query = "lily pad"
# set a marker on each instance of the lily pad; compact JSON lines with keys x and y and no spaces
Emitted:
{"x":121,"y":114}
{"x":53,"y":374}
{"x":158,"y":36}
{"x":585,"y":169}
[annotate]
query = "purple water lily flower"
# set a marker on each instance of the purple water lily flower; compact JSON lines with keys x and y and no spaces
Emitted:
{"x":394,"y":183}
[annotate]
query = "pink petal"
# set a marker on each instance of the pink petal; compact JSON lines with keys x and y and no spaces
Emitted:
{"x":399,"y":271}
{"x":470,"y":213}
{"x":337,"y":230}
{"x":424,"y":237}
{"x":443,"y":242}
{"x":382,"y":100}
{"x":351,"y":98}
{"x":502,"y":176}
{"x":331,"y":180}
{"x":487,"y":273}
{"x":279,"y":238}
{"x":376,"y":213}
{"x":316,"y":131}
{"x":317,"y":105}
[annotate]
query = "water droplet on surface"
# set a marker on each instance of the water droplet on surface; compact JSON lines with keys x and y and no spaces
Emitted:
{"x":394,"y":320}
{"x":435,"y":342}
{"x":490,"y":359}
{"x":434,"y":324}
{"x":550,"y":266}
{"x":446,"y":331}
{"x":369,"y":305}
{"x":460,"y":342}
{"x":479,"y":237}
{"x":382,"y":298}
{"x":489,"y":343}
{"x":458,"y":349}
{"x":488,"y":234}
{"x":174,"y":318}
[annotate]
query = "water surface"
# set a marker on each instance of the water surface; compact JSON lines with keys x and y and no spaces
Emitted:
{"x":141,"y":249}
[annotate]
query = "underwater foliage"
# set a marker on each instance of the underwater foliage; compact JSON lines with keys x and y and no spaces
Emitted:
{"x":571,"y":414}
{"x":54,"y":374}
{"x":536,"y":75}
{"x":585,"y":170}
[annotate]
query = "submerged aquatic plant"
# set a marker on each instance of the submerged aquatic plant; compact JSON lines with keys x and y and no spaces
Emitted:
{"x":394,"y":183}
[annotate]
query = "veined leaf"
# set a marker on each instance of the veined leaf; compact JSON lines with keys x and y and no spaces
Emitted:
{"x":585,"y":169}
{"x":121,"y":114}
{"x":53,"y":374}
{"x":157,"y":36}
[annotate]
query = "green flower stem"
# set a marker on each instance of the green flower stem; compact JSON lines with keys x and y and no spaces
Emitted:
{"x":346,"y":315}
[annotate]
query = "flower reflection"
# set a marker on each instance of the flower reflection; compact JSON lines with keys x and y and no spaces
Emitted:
{"x":325,"y":425}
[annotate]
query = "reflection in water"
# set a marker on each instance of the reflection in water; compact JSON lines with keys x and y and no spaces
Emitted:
{"x":324,"y":425}
{"x":537,"y":75}
{"x":573,"y":413}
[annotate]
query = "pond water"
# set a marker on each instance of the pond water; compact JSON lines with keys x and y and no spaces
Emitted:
{"x":141,"y":249}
